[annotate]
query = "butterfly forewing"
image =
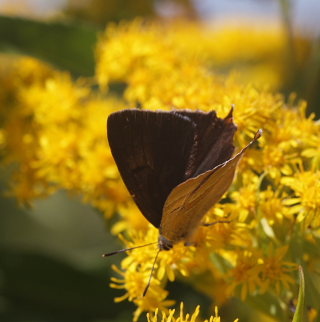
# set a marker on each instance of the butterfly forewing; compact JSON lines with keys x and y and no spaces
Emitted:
{"x":151,"y":150}
{"x":188,"y":202}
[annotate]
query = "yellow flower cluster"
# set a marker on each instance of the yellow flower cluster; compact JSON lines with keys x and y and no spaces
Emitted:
{"x":252,"y":255}
{"x":56,"y":132}
{"x":193,"y":318}
{"x":257,"y":55}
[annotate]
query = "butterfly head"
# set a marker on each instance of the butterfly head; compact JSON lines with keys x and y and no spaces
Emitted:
{"x":164,"y":243}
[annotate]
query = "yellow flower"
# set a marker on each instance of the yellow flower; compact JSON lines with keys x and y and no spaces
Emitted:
{"x":56,"y":132}
{"x":135,"y":273}
{"x":312,"y":151}
{"x":245,"y":273}
{"x":170,"y":317}
{"x":245,"y":199}
{"x":242,"y":46}
{"x":255,"y":272}
{"x":272,"y":206}
{"x":275,"y":270}
{"x":131,"y":219}
{"x":305,"y":200}
{"x":312,"y":314}
{"x":135,"y":281}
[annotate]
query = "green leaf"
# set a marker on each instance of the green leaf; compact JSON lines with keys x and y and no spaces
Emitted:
{"x":298,"y":316}
{"x":65,"y":45}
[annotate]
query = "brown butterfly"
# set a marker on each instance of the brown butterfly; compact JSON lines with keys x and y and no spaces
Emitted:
{"x":176,"y":166}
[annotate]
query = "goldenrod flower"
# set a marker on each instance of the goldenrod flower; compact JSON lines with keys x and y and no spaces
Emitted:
{"x":170,"y":317}
{"x":305,"y":200}
{"x":275,"y":270}
{"x":249,"y":202}
{"x":134,"y":281}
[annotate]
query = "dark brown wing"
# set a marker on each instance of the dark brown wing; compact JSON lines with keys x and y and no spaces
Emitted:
{"x":213,"y":141}
{"x":151,"y":150}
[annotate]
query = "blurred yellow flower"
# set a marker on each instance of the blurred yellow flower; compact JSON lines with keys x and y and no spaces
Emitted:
{"x":275,"y":270}
{"x":56,"y":131}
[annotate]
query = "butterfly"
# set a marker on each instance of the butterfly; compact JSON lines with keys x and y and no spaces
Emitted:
{"x":175,"y":164}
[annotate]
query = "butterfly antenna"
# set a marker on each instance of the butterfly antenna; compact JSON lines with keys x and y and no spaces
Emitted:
{"x":258,"y":135}
{"x":151,"y":274}
{"x":126,"y":249}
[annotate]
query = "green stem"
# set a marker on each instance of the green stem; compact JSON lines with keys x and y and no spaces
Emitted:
{"x":286,"y":12}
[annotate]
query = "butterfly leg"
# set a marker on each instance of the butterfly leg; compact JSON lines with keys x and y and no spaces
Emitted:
{"x":216,"y":222}
{"x":190,"y":243}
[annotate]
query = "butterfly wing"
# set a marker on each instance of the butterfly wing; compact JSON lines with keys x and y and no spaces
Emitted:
{"x":151,"y":150}
{"x":188,"y":202}
{"x":213,"y":141}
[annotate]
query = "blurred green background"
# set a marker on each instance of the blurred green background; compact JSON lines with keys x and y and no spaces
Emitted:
{"x":50,"y":255}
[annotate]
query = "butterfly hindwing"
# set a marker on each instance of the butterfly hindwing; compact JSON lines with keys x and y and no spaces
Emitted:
{"x":151,"y":150}
{"x":188,"y":202}
{"x":213,"y":141}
